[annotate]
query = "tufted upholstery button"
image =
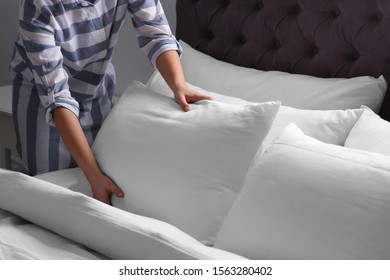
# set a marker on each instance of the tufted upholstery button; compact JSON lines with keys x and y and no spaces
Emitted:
{"x":379,"y":17}
{"x":210,"y":35}
{"x":260,"y":5}
{"x":242,"y":40}
{"x":276,"y":45}
{"x":297,"y":9}
{"x":354,"y":56}
{"x":313,"y":51}
{"x":227,"y":2}
{"x":335,"y":13}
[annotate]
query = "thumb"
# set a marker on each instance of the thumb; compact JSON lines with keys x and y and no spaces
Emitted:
{"x":116,"y":190}
{"x":181,"y":100}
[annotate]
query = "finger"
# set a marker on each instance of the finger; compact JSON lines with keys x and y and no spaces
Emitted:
{"x":202,"y":97}
{"x":105,"y":199}
{"x":116,"y":190}
{"x":181,"y":100}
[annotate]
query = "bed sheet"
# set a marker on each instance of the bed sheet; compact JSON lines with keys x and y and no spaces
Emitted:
{"x":66,"y":178}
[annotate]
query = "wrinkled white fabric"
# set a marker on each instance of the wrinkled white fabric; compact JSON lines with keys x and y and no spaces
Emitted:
{"x":305,"y":199}
{"x":107,"y":230}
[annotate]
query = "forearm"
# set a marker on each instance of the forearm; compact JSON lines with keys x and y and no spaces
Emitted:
{"x":169,"y":65}
{"x":74,"y":139}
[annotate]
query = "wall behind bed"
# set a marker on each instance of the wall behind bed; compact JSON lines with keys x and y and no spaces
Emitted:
{"x":127,"y":51}
{"x":8,"y":29}
{"x":130,"y":62}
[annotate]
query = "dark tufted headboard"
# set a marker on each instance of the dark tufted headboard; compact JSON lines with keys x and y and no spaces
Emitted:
{"x":324,"y":38}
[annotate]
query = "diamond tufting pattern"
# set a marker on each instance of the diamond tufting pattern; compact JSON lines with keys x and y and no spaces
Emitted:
{"x":324,"y":38}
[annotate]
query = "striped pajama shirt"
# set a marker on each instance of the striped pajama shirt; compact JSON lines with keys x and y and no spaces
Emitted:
{"x":62,"y":58}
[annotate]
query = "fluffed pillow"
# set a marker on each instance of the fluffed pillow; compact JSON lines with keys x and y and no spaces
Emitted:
{"x":370,"y":133}
{"x":184,"y":168}
{"x":298,"y":91}
{"x":305,"y":199}
{"x":329,"y":126}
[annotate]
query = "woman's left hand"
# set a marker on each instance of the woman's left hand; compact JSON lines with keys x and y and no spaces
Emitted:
{"x":187,"y":95}
{"x":169,"y":65}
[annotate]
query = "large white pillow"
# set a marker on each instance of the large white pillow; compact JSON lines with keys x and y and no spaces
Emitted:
{"x":184,"y":168}
{"x":298,"y":91}
{"x":305,"y":199}
{"x":329,"y":126}
{"x":370,"y":133}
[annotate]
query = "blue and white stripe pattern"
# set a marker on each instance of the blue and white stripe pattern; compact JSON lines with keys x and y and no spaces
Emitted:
{"x":63,"y":58}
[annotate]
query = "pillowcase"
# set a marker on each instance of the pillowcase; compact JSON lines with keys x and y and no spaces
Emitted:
{"x":184,"y":168}
{"x":112,"y":232}
{"x":305,"y":199}
{"x":370,"y":133}
{"x":298,"y":91}
{"x":329,"y":126}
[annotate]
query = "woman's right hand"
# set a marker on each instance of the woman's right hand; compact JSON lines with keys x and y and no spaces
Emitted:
{"x":74,"y":139}
{"x":102,"y":188}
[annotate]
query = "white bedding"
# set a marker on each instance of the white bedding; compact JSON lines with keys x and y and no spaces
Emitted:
{"x":42,"y":218}
{"x":184,"y":168}
{"x":305,"y":199}
{"x":21,"y":239}
{"x":59,"y":212}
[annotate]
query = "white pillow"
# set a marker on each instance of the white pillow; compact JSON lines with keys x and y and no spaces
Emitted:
{"x":184,"y":168}
{"x":308,"y":200}
{"x":298,"y":91}
{"x":370,"y":133}
{"x":329,"y":126}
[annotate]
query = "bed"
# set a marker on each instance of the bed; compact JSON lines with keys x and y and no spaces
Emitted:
{"x":291,"y":160}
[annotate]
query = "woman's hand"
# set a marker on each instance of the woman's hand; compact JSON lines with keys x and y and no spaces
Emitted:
{"x":186,"y":95}
{"x":102,"y":188}
{"x":74,"y":139}
{"x":169,"y":65}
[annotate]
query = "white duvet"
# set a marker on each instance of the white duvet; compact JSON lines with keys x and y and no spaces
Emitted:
{"x":22,"y":240}
{"x":41,"y":220}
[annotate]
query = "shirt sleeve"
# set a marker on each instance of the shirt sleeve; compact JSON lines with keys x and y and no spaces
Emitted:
{"x":152,"y":29}
{"x":45,"y":59}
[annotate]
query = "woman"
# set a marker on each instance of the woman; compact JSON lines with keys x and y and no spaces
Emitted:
{"x":63,"y":78}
